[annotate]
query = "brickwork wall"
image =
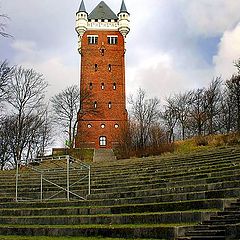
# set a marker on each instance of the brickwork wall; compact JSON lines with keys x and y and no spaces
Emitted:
{"x":110,"y":100}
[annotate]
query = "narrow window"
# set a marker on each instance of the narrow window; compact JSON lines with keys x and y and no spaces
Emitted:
{"x":102,"y":51}
{"x":90,"y":86}
{"x":95,"y":104}
{"x":109,"y":67}
{"x":114,"y":86}
{"x":92,"y":40}
{"x":116,"y":126}
{"x":103,"y":126}
{"x":102,"y":86}
{"x":89,"y":125}
{"x":96,"y":67}
{"x":112,"y":40}
{"x":109,"y":105}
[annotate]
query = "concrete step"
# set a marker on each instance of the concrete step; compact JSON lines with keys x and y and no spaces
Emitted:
{"x":206,"y":233}
{"x":103,"y":155}
{"x":156,"y":231}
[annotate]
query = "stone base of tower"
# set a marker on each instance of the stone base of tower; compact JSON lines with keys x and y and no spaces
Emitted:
{"x":99,"y":134}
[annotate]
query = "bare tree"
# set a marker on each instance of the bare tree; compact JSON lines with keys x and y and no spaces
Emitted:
{"x":213,"y":96}
{"x":3,"y":26}
{"x":233,"y":86}
{"x":5,"y":150}
{"x":5,"y":77}
{"x":198,"y":111}
{"x":65,"y":107}
{"x":26,"y":92}
{"x":145,"y":112}
{"x":169,"y":117}
{"x":182,"y":106}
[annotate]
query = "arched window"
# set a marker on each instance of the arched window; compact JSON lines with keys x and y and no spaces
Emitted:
{"x":96,"y":67}
{"x":110,"y":105}
{"x":114,"y":86}
{"x":103,"y":141}
{"x":90,"y":86}
{"x":102,"y":86}
{"x":95,"y":104}
{"x":109,"y":67}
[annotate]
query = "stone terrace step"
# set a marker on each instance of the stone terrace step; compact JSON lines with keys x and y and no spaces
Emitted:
{"x":158,"y":231}
{"x":155,"y":197}
{"x":75,"y":208}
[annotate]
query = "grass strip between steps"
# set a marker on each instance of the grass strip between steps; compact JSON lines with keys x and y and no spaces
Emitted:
{"x":61,"y":238}
{"x":114,"y":215}
{"x":110,"y":206}
{"x":99,"y":226}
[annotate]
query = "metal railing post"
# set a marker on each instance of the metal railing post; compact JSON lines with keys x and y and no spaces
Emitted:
{"x":17,"y":173}
{"x":68,"y":166}
{"x":89,"y":180}
{"x":41,"y":197}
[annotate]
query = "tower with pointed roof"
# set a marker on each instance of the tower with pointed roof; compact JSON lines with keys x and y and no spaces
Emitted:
{"x":101,"y":44}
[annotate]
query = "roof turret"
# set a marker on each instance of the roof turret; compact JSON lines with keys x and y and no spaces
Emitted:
{"x":102,"y":11}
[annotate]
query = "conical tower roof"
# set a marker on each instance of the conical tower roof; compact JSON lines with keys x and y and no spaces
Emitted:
{"x":123,"y":7}
{"x":102,"y":11}
{"x":82,"y":7}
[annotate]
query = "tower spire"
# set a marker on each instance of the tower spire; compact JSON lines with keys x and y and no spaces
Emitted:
{"x":123,"y":8}
{"x":82,"y":7}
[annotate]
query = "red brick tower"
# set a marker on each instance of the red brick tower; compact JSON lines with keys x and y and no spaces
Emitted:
{"x":102,"y":36}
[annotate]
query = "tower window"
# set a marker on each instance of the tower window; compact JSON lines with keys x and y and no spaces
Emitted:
{"x":109,"y":67}
{"x":96,"y":67}
{"x":102,"y":86}
{"x":92,"y":39}
{"x":103,"y":141}
{"x":89,"y":125}
{"x":116,"y":126}
{"x":112,"y":40}
{"x":95,"y":104}
{"x":90,"y":86}
{"x":114,"y":86}
{"x":103,"y":126}
{"x":110,"y":105}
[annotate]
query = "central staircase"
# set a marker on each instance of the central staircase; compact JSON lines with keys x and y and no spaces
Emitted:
{"x":191,"y":196}
{"x":103,"y":155}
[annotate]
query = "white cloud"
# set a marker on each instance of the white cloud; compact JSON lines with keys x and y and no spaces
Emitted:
{"x":57,"y":73}
{"x":211,"y":17}
{"x":160,"y":77}
{"x":229,"y":51}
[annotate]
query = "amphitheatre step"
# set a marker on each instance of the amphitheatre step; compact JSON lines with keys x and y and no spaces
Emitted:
{"x":158,"y":231}
{"x":206,"y":233}
{"x":70,"y":209}
{"x":140,"y":218}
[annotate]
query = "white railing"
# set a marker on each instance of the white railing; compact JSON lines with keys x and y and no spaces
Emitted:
{"x":62,"y":167}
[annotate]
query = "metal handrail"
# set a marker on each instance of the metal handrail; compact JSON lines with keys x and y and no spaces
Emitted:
{"x":69,"y":160}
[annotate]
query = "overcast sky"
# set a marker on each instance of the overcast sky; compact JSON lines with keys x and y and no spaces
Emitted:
{"x":174,"y":45}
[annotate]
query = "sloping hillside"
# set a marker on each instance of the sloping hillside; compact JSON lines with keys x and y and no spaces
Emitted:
{"x":155,"y":197}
